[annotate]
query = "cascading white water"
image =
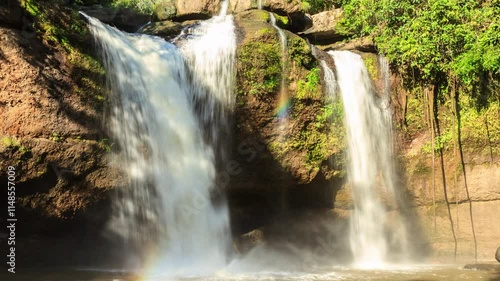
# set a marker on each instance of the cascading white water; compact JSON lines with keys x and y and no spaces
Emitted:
{"x":210,"y":52}
{"x":368,"y":124}
{"x":329,"y":80}
{"x":171,"y":214}
{"x":283,"y":99}
{"x":281,"y":33}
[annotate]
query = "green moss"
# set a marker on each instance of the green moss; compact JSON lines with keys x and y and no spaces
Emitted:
{"x":56,"y":137}
{"x":24,"y":150}
{"x":282,"y":21}
{"x":266,"y":31}
{"x":319,"y":140}
{"x":371,"y":63}
{"x":300,"y":53}
{"x":331,"y":113}
{"x":259,"y":68}
{"x":305,"y":6}
{"x":262,"y":15}
{"x":309,"y":88}
{"x":10,"y":142}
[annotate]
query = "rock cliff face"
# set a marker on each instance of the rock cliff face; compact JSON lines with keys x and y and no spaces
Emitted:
{"x":51,"y":133}
{"x":293,"y":142}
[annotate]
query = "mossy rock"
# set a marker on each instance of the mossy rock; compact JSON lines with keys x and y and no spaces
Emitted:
{"x":294,"y":122}
{"x":164,"y":29}
{"x":165,"y":10}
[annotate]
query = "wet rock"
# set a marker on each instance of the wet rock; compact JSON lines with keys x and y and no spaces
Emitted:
{"x":164,"y":29}
{"x":483,"y":267}
{"x":249,"y":240}
{"x":323,"y":29}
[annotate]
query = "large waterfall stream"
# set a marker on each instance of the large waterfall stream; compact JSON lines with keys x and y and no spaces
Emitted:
{"x":171,"y":216}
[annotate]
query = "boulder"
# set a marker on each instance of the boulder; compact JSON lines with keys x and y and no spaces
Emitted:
{"x":238,"y":6}
{"x":165,"y":10}
{"x":497,"y":254}
{"x":323,"y":29}
{"x":196,"y":10}
{"x":166,"y":29}
{"x":249,"y":240}
{"x":282,"y":7}
{"x":364,"y":44}
{"x":124,"y":19}
{"x":292,"y":9}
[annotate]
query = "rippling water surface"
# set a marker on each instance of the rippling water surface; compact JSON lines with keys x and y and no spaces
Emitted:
{"x":410,"y":273}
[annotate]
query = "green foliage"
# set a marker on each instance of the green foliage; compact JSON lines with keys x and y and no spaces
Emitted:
{"x":62,"y":26}
{"x":332,"y":113}
{"x":144,"y":6}
{"x":480,"y":126}
{"x":440,"y":142}
{"x":309,"y":88}
{"x":259,"y":68}
{"x":415,"y":119}
{"x":433,"y":38}
{"x":105,"y":145}
{"x":300,"y":53}
{"x":450,"y":46}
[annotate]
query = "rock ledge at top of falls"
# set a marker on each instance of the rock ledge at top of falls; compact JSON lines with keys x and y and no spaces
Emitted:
{"x":323,"y":30}
{"x":180,"y":10}
{"x":363,"y":44}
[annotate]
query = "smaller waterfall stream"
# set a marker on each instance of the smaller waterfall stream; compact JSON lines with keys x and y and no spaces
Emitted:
{"x":371,"y":165}
{"x":283,"y":99}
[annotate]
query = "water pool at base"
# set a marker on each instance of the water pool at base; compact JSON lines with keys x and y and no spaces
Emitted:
{"x":407,"y":273}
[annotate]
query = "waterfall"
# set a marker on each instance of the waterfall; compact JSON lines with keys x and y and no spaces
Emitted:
{"x":281,"y":33}
{"x":224,"y":7}
{"x":329,"y":80}
{"x":172,"y":215}
{"x":210,"y":52}
{"x":283,"y":99}
{"x":368,"y":123}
